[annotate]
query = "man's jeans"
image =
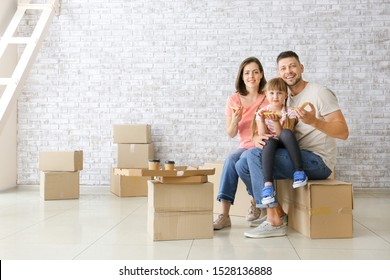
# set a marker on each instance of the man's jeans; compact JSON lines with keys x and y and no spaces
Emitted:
{"x":229,"y":177}
{"x":249,"y":168}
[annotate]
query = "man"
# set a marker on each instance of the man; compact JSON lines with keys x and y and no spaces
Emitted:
{"x":321,"y":122}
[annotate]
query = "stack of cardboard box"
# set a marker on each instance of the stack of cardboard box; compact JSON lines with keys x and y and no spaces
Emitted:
{"x":60,"y":174}
{"x":135,"y":148}
{"x":180,"y":202}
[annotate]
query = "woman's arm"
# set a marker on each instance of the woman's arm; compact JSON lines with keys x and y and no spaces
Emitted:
{"x":232,"y":122}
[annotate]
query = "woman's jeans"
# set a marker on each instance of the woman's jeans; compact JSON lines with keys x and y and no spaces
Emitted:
{"x":250,"y":169}
{"x":229,"y":177}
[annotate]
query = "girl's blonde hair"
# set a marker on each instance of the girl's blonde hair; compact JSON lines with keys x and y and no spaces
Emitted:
{"x":276,"y":84}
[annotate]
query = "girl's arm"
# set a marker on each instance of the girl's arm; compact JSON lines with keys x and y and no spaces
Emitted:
{"x":291,"y":120}
{"x":277,"y":126}
{"x":260,"y":123}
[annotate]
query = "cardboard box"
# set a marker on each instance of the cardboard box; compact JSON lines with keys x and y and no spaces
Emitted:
{"x":132,"y":134}
{"x":125,"y":186}
{"x":180,"y":171}
{"x":59,"y":185}
{"x":182,"y":180}
{"x":180,"y":197}
{"x":322,"y":209}
{"x":180,"y":211}
{"x":242,"y":200}
{"x":60,"y":160}
{"x":134,"y":155}
{"x":180,"y":225}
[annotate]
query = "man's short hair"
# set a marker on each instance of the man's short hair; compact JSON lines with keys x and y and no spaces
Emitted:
{"x":287,"y":54}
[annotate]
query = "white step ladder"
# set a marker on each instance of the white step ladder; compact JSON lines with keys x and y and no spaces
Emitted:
{"x":14,"y":84}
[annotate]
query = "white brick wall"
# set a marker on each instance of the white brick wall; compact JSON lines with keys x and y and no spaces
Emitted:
{"x":172,"y":64}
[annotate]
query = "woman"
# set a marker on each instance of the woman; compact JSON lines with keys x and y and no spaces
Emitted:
{"x":240,"y":111}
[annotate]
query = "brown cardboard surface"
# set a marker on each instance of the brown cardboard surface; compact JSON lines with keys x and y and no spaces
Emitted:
{"x":180,"y":225}
{"x":132,"y":134}
{"x":60,"y":160}
{"x":322,"y":209}
{"x":134,"y":156}
{"x":242,"y":199}
{"x":180,"y":197}
{"x":182,"y":180}
{"x":129,"y":186}
{"x":59,"y":185}
{"x":180,"y":171}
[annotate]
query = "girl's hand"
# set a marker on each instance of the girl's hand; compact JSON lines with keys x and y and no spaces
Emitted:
{"x":273,"y":116}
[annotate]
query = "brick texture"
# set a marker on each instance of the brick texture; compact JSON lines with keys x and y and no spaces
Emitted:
{"x":173,"y":63}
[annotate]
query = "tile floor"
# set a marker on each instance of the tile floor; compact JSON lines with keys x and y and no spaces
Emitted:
{"x":102,"y":226}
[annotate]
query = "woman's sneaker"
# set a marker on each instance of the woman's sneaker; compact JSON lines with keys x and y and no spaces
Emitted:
{"x":268,"y":195}
{"x":253,"y":212}
{"x":221,"y":222}
{"x":300,"y":179}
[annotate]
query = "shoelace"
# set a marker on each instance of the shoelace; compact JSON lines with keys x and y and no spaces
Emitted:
{"x":220,"y":219}
{"x":268,"y":191}
{"x":252,"y":209}
{"x":299,"y":176}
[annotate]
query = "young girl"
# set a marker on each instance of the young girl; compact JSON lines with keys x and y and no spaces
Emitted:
{"x":279,"y":121}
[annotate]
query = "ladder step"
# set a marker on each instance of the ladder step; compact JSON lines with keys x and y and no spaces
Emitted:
{"x":25,"y":6}
{"x":18,"y":40}
{"x":8,"y":81}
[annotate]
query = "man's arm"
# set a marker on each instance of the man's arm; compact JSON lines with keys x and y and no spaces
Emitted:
{"x":333,"y":124}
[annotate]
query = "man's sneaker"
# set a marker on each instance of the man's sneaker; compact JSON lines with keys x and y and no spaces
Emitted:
{"x":221,"y":222}
{"x":266,"y":230}
{"x":300,"y":179}
{"x":261,"y":220}
{"x":253,"y":212}
{"x":268,"y":195}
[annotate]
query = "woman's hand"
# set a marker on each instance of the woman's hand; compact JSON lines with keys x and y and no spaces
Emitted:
{"x":237,"y":114}
{"x":233,"y":120}
{"x":259,"y":140}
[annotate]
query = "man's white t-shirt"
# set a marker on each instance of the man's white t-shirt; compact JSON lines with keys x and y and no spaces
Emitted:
{"x":309,"y":138}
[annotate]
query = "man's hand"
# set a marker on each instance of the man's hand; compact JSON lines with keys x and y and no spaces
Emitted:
{"x":307,"y":117}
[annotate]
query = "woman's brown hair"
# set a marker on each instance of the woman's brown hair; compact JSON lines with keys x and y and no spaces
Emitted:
{"x":240,"y":85}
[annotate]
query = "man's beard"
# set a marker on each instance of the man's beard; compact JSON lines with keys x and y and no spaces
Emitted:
{"x":297,"y":81}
